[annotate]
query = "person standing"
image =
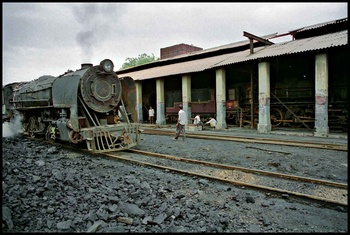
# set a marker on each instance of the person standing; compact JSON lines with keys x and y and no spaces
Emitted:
{"x":151,"y":115}
{"x":180,"y":126}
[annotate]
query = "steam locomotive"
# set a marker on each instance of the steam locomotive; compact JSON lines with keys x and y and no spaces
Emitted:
{"x":91,"y":105}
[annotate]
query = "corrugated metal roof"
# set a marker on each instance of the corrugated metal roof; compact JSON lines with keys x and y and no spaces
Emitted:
{"x":236,"y":44}
{"x":291,"y":47}
{"x":319,"y":25}
{"x":278,"y":49}
{"x":176,"y":68}
{"x":213,"y":49}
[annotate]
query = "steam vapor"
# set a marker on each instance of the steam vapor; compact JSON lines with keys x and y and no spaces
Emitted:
{"x":13,"y":127}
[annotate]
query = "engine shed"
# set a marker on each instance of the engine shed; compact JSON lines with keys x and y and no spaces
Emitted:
{"x":257,"y":83}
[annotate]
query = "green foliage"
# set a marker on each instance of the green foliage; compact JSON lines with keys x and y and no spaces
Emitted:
{"x":142,"y":59}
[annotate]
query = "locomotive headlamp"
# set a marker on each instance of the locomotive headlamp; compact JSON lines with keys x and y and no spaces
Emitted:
{"x":107,"y":65}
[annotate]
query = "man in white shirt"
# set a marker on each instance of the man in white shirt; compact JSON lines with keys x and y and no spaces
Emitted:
{"x":180,"y":126}
{"x":151,"y":115}
{"x":197,"y":120}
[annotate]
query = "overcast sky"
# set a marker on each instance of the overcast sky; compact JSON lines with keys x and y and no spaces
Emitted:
{"x":50,"y":38}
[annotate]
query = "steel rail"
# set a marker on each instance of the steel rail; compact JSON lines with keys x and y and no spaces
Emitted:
{"x":319,"y":145}
{"x":234,"y":182}
{"x":230,"y":167}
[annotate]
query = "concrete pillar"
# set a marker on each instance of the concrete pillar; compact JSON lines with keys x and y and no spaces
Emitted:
{"x":160,"y":102}
{"x":221,"y":99}
{"x":138,"y":85}
{"x":186,"y":96}
{"x":321,"y":96}
{"x":264,"y":125}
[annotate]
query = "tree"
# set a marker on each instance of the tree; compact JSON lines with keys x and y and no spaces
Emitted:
{"x":142,"y":59}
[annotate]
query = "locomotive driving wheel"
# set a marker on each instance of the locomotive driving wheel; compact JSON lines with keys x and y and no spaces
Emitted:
{"x":276,"y":116}
{"x":295,"y":120}
{"x":33,"y":125}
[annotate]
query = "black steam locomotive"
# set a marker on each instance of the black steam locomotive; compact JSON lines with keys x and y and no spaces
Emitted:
{"x":90,"y":105}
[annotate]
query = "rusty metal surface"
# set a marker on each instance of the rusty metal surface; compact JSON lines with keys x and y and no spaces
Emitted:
{"x":102,"y":139}
{"x":291,"y":47}
{"x":65,"y":91}
{"x":7,"y":91}
{"x":100,"y":91}
{"x":129,"y":97}
{"x":35,"y":93}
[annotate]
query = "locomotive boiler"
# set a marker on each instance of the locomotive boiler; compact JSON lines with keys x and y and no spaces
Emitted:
{"x":91,"y":106}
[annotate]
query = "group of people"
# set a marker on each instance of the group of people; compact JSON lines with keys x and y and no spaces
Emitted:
{"x":181,"y":121}
{"x":197,"y":121}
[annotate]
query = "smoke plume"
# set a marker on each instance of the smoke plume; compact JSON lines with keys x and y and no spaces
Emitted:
{"x":12,"y":128}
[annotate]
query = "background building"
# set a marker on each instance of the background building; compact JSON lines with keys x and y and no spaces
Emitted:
{"x":300,"y":83}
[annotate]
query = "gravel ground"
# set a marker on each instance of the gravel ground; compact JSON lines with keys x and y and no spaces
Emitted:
{"x":51,"y":189}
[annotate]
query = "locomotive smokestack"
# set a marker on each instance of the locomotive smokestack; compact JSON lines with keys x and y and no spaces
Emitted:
{"x":86,"y":65}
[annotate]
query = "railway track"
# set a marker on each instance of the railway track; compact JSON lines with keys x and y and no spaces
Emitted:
{"x":255,"y":140}
{"x":275,"y":183}
{"x":307,"y":188}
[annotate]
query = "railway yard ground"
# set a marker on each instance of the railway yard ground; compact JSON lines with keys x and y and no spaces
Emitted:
{"x":49,"y":188}
{"x":277,"y":133}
